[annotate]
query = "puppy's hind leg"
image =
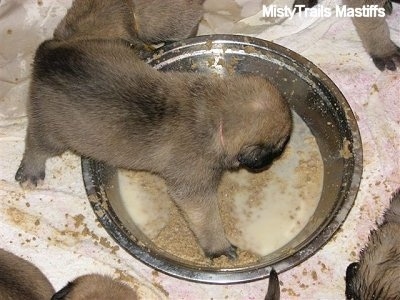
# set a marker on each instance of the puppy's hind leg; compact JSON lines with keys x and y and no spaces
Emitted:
{"x":32,"y":168}
{"x":375,"y":35}
{"x":202,"y":213}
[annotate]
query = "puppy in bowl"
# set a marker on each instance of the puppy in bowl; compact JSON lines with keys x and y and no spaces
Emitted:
{"x":151,"y":21}
{"x":377,"y":274}
{"x":373,"y":31}
{"x":98,"y":99}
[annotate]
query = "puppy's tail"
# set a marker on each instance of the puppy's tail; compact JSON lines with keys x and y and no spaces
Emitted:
{"x":392,"y":214}
{"x":273,"y":292}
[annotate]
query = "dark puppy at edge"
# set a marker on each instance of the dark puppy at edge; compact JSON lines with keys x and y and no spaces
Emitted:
{"x":377,"y":275}
{"x":373,"y":31}
{"x":151,"y":21}
{"x":95,"y":286}
{"x":21,"y":280}
{"x":99,"y":100}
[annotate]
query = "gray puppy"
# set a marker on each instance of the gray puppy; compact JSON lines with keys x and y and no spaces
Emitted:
{"x":98,"y":19}
{"x":167,"y":20}
{"x":152,"y":21}
{"x":97,"y":287}
{"x":373,"y":31}
{"x":377,"y":275}
{"x":21,"y":280}
{"x":100,"y":100}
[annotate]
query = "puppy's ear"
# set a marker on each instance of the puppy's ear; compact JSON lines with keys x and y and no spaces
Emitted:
{"x":351,"y":272}
{"x":273,"y":292}
{"x":61,"y":294}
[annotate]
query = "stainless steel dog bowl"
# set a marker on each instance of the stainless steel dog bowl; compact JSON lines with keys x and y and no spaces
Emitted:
{"x":312,"y":95}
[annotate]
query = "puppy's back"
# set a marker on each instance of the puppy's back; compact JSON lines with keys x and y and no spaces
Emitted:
{"x":19,"y":279}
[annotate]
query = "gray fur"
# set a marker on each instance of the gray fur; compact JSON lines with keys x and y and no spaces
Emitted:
{"x":374,"y":33}
{"x":167,"y":20}
{"x":377,"y":275}
{"x":21,"y":280}
{"x":151,"y":21}
{"x":98,"y":99}
{"x":97,"y":287}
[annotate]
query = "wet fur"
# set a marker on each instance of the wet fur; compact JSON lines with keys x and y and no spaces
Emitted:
{"x":377,"y":274}
{"x":97,"y":287}
{"x":21,"y":280}
{"x":373,"y":31}
{"x":151,"y":21}
{"x":98,"y":99}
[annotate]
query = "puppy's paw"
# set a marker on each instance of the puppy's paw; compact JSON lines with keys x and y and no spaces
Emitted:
{"x":388,"y":61}
{"x":230,"y":252}
{"x":27,"y":178}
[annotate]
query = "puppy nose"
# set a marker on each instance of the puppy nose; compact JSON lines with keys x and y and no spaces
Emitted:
{"x":258,"y":160}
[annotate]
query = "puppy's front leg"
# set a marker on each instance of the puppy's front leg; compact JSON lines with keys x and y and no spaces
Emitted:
{"x":375,"y":36}
{"x":202,"y":213}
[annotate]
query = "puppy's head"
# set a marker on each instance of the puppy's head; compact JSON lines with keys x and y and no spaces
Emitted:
{"x":377,"y":274}
{"x":256,"y":124}
{"x":95,"y":286}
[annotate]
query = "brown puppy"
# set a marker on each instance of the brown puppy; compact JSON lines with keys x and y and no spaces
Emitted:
{"x":20,"y":279}
{"x":377,"y":275}
{"x":98,"y":19}
{"x":167,"y":20}
{"x":153,"y":21}
{"x":98,"y":99}
{"x":97,"y":287}
{"x":373,"y":31}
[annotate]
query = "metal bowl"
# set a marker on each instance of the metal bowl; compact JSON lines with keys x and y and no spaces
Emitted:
{"x":313,"y":96}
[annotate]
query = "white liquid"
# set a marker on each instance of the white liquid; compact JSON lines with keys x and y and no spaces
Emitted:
{"x":266,"y":209}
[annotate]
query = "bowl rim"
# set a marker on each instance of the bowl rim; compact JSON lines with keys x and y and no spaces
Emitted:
{"x":108,"y":218}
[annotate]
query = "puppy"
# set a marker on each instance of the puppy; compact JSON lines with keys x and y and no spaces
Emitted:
{"x":373,"y":31}
{"x":20,"y":279}
{"x":98,"y":19}
{"x":97,"y":287}
{"x":377,"y":275}
{"x":273,"y":292}
{"x":152,"y":21}
{"x":98,"y":99}
{"x":167,"y":20}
